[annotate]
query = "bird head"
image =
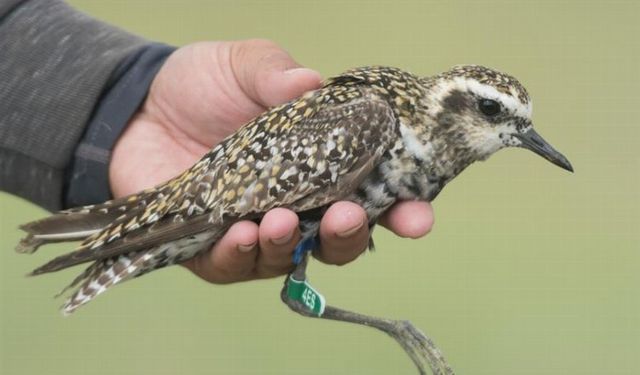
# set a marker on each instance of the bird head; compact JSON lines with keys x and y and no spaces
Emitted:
{"x":486,"y":110}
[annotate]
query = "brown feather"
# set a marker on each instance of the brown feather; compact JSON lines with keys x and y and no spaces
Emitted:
{"x":78,"y":223}
{"x":165,"y":231}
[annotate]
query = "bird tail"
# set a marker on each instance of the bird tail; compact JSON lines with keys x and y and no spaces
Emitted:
{"x":61,"y":227}
{"x":76,"y":224}
{"x":103,"y":274}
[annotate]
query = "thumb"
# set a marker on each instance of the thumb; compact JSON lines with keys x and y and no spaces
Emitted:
{"x":268,"y":75}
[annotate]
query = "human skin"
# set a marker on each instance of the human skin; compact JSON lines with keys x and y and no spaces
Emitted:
{"x":203,"y":93}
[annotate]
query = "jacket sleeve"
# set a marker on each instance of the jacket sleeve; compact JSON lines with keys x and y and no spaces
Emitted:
{"x":56,"y":64}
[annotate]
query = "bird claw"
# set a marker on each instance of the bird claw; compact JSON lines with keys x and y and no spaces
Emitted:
{"x":420,"y":348}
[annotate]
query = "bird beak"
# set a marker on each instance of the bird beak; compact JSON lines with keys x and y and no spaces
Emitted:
{"x":531,"y":140}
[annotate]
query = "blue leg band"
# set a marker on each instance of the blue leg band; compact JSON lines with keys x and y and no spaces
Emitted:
{"x":305,"y":245}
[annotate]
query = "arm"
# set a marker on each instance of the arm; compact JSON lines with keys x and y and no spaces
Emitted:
{"x":55,"y":64}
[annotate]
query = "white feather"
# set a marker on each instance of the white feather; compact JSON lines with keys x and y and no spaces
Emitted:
{"x":66,"y":236}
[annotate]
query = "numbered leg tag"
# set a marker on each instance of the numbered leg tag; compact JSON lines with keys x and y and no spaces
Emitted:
{"x":304,"y":293}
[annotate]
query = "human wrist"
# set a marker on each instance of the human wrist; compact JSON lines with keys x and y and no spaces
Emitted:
{"x":88,"y":174}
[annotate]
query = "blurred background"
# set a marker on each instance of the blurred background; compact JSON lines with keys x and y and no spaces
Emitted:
{"x":529,"y":269}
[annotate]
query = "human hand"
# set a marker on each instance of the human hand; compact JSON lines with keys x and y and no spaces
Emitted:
{"x":203,"y":93}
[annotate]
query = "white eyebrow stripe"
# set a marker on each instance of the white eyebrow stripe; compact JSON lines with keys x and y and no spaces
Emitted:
{"x":486,"y":91}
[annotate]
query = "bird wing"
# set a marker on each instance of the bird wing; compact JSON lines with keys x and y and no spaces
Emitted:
{"x":311,"y":152}
{"x":302,"y":155}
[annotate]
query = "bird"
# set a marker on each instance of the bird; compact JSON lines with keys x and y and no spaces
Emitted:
{"x":372,"y":135}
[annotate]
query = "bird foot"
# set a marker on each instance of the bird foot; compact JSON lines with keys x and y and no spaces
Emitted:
{"x":306,"y":301}
{"x":420,"y":348}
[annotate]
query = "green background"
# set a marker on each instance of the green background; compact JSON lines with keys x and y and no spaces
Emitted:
{"x":529,"y":269}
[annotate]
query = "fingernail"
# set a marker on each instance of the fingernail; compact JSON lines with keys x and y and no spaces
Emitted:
{"x":282,"y":240}
{"x":296,"y":70}
{"x":351,"y":231}
{"x":246,"y":248}
{"x":309,"y":72}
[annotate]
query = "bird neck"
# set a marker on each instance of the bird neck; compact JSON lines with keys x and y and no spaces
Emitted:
{"x":436,"y":152}
{"x":426,"y":156}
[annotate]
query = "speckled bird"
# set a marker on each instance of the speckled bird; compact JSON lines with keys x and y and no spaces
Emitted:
{"x":372,"y":135}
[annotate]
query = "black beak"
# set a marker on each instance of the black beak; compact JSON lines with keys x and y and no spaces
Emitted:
{"x":534,"y":142}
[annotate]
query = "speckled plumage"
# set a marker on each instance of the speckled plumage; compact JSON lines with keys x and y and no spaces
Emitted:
{"x":372,"y":135}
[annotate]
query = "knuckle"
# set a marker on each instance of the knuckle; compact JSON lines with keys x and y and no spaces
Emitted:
{"x":341,"y":261}
{"x":276,"y":253}
{"x":339,"y":256}
{"x":232,"y":270}
{"x":274,"y":271}
{"x":260,"y":43}
{"x":258,"y":47}
{"x":228,"y":275}
{"x":222,"y":275}
{"x":431,"y":222}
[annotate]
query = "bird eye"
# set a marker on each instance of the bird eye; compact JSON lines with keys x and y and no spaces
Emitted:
{"x":489,"y":107}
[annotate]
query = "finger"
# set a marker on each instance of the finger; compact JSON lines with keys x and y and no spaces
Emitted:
{"x":232,"y":258}
{"x":344,"y":233}
{"x":412,"y":219}
{"x":278,"y":235}
{"x":268,"y":74}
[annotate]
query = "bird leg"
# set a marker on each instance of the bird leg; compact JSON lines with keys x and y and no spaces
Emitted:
{"x":304,"y":300}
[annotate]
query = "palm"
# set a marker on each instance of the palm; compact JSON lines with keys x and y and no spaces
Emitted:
{"x":183,"y":117}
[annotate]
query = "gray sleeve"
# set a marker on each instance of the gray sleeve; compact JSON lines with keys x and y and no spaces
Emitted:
{"x":54,"y":64}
